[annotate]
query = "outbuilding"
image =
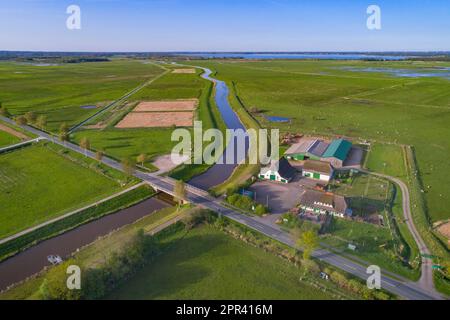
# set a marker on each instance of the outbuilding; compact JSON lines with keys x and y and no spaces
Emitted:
{"x":318,"y":170}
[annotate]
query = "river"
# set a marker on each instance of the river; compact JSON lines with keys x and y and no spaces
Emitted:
{"x":220,"y":172}
{"x":34,"y":259}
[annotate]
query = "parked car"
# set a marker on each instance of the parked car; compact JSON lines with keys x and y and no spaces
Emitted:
{"x":324,"y":276}
{"x":54,"y":259}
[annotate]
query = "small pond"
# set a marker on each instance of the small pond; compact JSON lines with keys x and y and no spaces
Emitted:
{"x":277,"y":119}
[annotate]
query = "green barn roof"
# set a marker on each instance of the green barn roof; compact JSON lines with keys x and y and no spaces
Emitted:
{"x":338,"y":149}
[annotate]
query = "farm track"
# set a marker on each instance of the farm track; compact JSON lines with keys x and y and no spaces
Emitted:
{"x":422,"y":290}
{"x":426,"y":277}
{"x":118,"y":101}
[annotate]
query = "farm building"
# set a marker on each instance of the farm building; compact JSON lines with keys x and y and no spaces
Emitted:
{"x":315,"y":149}
{"x":318,"y":202}
{"x":307,"y":149}
{"x":280,"y":171}
{"x":337,"y":152}
{"x":317,"y":170}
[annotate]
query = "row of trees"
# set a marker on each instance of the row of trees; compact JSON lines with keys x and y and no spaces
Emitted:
{"x":128,"y":165}
{"x":30,"y":117}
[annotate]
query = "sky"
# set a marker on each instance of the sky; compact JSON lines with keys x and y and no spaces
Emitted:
{"x":225,"y":25}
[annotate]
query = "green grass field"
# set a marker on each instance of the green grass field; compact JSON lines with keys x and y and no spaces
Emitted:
{"x":173,"y":86}
{"x":374,"y":244}
{"x":371,"y":196}
{"x":112,"y":205}
{"x":38,"y":184}
{"x":121,"y":143}
{"x":60,"y":91}
{"x":7,"y":139}
{"x":320,"y":97}
{"x":203,"y":265}
{"x":387,"y":159}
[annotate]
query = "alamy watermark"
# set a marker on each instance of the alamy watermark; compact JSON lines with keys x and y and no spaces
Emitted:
{"x":374,"y":19}
{"x":374,"y":280}
{"x":73,"y":22}
{"x":236,"y":146}
{"x":74,"y":279}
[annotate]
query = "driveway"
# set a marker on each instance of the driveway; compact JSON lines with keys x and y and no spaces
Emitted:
{"x":281,"y":197}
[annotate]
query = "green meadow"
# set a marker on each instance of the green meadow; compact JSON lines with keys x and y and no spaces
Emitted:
{"x":122,"y":143}
{"x":37,"y":184}
{"x":202,"y":264}
{"x":59,"y":91}
{"x":7,"y":139}
{"x":322,"y":97}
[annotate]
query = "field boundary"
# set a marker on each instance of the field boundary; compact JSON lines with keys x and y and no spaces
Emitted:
{"x":48,"y":222}
{"x":120,"y":100}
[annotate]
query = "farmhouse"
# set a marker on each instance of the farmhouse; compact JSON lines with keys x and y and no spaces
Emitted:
{"x":315,"y":149}
{"x":280,"y":171}
{"x":317,"y":170}
{"x":318,"y":202}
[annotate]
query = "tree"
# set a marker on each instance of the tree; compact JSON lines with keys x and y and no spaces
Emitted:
{"x":31,"y":117}
{"x":41,"y":121}
{"x":141,"y":158}
{"x":3,"y":111}
{"x":64,"y":132}
{"x":308,"y":241}
{"x":128,"y":166}
{"x":54,"y":286}
{"x":21,"y":120}
{"x":179,"y":191}
{"x":85,"y":144}
{"x":99,"y":155}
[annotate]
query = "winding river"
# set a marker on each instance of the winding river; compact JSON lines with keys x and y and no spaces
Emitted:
{"x":34,"y":259}
{"x":220,"y":172}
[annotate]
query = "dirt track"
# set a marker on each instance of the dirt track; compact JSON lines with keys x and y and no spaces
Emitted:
{"x":13,"y":132}
{"x":174,"y":105}
{"x":156,"y":119}
{"x":184,"y":71}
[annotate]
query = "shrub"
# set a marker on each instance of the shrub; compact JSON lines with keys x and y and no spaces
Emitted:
{"x":260,"y":210}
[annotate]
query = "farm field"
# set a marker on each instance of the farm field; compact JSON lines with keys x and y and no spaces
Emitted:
{"x":38,"y":184}
{"x":7,"y":139}
{"x":368,"y":197}
{"x":123,"y":143}
{"x":322,"y":97}
{"x":203,"y":265}
{"x":62,"y":92}
{"x":131,"y":142}
{"x":373,"y":243}
{"x":387,"y":159}
{"x":173,"y":86}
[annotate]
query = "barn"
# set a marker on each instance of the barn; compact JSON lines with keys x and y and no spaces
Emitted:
{"x":315,"y":149}
{"x":337,"y":152}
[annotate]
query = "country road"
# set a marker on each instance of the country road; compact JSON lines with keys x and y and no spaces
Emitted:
{"x":426,"y":277}
{"x":423,"y":289}
{"x":399,"y":286}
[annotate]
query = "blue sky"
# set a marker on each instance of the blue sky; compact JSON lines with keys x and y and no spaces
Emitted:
{"x":225,"y":25}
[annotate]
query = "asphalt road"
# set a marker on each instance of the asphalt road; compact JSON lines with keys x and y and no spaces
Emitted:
{"x":426,"y":277}
{"x":399,"y":286}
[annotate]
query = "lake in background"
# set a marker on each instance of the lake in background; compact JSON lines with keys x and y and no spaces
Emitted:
{"x":323,"y":56}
